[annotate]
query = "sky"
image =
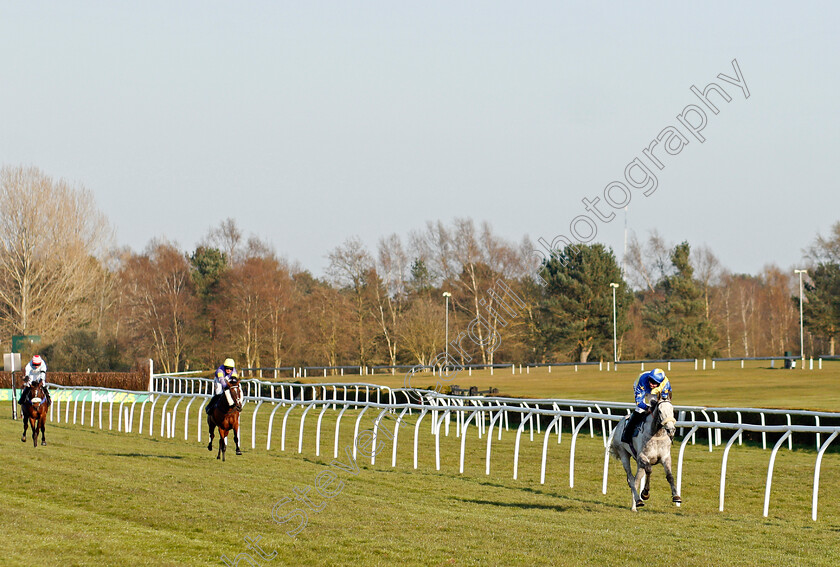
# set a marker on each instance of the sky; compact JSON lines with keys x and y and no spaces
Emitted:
{"x":311,"y":122}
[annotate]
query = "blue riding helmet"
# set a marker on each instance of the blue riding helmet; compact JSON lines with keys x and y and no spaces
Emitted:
{"x":657,"y":375}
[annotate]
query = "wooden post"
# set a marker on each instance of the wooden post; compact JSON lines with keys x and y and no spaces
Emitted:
{"x":14,"y":395}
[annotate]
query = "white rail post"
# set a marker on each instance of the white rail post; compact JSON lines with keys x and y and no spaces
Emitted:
{"x":770,"y":472}
{"x":318,"y":429}
{"x":572,"y":453}
{"x":423,"y":412}
{"x":723,"y":466}
{"x":302,"y":421}
{"x":490,"y":438}
{"x":607,"y":458}
{"x":254,"y":425}
{"x":522,"y":421}
{"x":817,"y":474}
{"x":545,"y":447}
{"x":680,"y":458}
{"x":790,"y":437}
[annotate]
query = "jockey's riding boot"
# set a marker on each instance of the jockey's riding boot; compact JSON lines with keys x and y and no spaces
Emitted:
{"x":630,"y":428}
{"x":23,"y":394}
{"x":47,"y":394}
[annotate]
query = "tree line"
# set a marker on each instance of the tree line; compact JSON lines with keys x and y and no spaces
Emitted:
{"x":101,"y":307}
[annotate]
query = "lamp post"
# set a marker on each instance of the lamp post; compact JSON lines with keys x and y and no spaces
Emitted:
{"x":614,"y":286}
{"x":447,"y":295}
{"x":801,"y":333}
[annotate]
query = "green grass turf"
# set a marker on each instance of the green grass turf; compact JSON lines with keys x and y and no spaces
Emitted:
{"x":95,"y":497}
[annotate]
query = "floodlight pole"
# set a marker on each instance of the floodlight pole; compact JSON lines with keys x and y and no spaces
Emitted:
{"x":447,"y":295}
{"x":614,"y":286}
{"x":801,"y":327}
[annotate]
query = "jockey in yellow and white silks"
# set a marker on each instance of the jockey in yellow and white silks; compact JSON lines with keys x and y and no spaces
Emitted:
{"x":651,"y":384}
{"x":221,"y":380}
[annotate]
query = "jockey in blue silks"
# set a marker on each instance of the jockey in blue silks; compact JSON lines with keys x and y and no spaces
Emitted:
{"x":653,"y":383}
{"x":221,"y":382}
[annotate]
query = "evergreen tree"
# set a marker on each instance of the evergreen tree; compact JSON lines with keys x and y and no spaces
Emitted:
{"x":421,"y":277}
{"x":677,"y":312}
{"x":576,"y":314}
{"x":208,"y":266}
{"x":821,"y":311}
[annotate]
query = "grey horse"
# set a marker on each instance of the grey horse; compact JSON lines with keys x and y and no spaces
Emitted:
{"x":652,"y":445}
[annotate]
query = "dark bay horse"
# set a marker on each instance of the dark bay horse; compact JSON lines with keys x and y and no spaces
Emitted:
{"x":226,"y":417}
{"x":34,"y":412}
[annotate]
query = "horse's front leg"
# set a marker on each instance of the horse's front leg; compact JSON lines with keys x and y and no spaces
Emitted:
{"x":642,"y":480}
{"x":34,"y":426}
{"x":211,"y":427}
{"x":236,"y":441}
{"x":222,"y":444}
{"x":666,"y":464}
{"x":25,"y":426}
{"x":44,"y":430}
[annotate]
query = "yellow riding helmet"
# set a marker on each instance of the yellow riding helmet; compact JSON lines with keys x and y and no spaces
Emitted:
{"x":229,"y":363}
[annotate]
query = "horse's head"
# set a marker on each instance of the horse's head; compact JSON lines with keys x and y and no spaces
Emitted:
{"x":36,"y":395}
{"x":665,"y":417}
{"x":235,"y":393}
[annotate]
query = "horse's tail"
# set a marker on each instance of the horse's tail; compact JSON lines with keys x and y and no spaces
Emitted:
{"x":616,"y":440}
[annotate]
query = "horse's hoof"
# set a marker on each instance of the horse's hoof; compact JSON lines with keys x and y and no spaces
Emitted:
{"x":43,"y":442}
{"x":238,"y":452}
{"x":23,"y":439}
{"x":210,"y":447}
{"x":676,"y":499}
{"x":639,"y":504}
{"x":645,"y":495}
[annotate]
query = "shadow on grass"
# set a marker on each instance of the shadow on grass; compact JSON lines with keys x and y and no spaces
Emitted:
{"x":522,"y":505}
{"x":142,"y":455}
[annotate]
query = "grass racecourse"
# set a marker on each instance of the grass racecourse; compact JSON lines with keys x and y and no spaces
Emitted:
{"x":97,"y":497}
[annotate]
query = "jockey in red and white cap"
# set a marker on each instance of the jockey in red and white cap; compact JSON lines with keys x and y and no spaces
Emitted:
{"x":35,"y":373}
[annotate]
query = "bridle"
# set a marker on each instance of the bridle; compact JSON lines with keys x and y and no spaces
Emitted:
{"x":236,"y":394}
{"x":660,"y":424}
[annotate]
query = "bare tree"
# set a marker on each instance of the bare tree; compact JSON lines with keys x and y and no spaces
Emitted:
{"x":826,"y":249}
{"x":391,"y":295}
{"x":51,"y":236}
{"x":707,"y":270}
{"x":227,"y":237}
{"x":648,"y":264}
{"x":421,"y":331}
{"x":159,"y":303}
{"x":350,"y":266}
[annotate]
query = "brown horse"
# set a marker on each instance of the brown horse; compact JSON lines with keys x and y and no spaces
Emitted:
{"x":226,"y":418}
{"x":34,"y":412}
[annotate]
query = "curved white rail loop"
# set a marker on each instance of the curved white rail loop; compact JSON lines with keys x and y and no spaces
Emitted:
{"x":483,"y":413}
